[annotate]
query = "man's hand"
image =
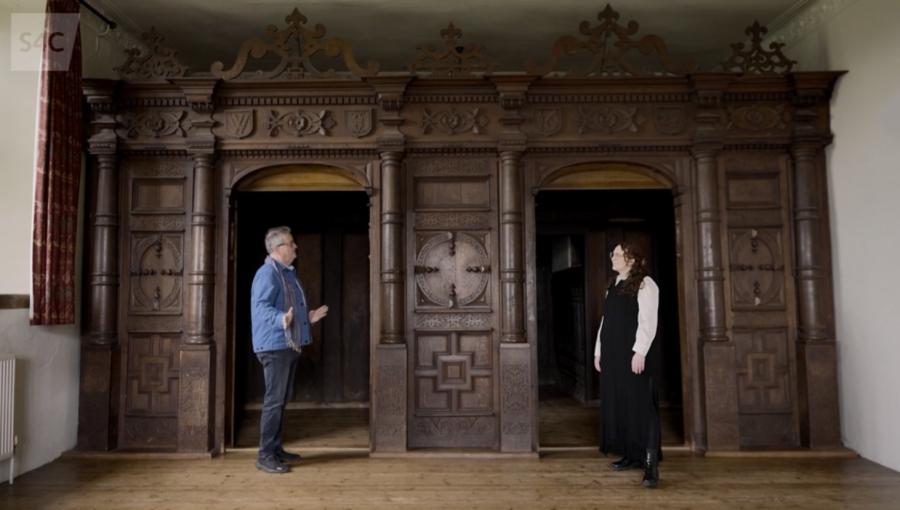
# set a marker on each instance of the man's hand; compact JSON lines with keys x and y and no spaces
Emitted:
{"x":318,"y":314}
{"x":597,"y":363}
{"x":287,"y":318}
{"x":637,"y":363}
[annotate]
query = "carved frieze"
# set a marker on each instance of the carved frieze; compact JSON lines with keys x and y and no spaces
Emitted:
{"x":359,"y":122}
{"x":429,"y":167}
{"x":300,"y":123}
{"x":670,"y":119}
{"x":152,"y":124}
{"x":609,"y":119}
{"x":758,"y":117}
{"x":544,"y":122}
{"x":454,"y":321}
{"x":238,"y":124}
{"x":452,"y":220}
{"x":453,"y":121}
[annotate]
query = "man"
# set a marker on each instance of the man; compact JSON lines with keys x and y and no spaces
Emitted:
{"x":281,"y":324}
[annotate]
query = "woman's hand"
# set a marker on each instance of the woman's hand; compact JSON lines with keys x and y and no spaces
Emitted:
{"x":597,"y":363}
{"x":637,"y":363}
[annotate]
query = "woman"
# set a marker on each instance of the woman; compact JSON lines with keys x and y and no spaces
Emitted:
{"x":630,"y":408}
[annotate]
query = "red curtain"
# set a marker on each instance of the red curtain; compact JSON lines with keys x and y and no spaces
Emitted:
{"x":57,"y":172}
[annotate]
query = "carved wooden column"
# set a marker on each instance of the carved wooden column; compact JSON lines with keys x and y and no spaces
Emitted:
{"x":517,"y":396}
{"x":816,"y":356}
{"x":98,"y":402}
{"x":196,"y":389}
{"x":392,"y":290}
{"x":389,"y":399}
{"x":718,"y":351}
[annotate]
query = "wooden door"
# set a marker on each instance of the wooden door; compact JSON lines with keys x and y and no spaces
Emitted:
{"x":330,"y":230}
{"x":451,"y":268}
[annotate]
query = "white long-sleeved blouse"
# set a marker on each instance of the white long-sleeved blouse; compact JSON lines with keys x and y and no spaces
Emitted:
{"x":648,"y":306}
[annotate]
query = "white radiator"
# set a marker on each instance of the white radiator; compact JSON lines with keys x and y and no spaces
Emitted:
{"x":7,"y":399}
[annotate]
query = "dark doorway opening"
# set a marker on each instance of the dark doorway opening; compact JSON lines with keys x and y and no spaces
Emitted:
{"x":331,"y":391}
{"x":576,"y":230}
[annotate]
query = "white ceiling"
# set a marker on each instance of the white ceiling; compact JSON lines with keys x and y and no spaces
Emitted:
{"x":389,"y":31}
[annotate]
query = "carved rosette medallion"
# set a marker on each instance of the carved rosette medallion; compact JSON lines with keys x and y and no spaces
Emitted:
{"x":757,"y":269}
{"x":452,"y":270}
{"x":156,"y":274}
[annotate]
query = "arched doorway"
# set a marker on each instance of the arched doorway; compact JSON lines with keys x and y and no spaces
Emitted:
{"x":327,"y":209}
{"x":581,"y":212}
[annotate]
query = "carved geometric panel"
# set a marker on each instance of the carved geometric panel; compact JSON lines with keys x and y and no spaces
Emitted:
{"x":452,"y":269}
{"x":763,"y":371}
{"x":467,"y":193}
{"x":157,"y":263}
{"x":757,"y":269}
{"x":152,"y":378}
{"x":453,"y":373}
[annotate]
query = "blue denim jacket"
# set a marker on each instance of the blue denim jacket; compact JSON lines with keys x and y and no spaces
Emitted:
{"x":267,"y":307}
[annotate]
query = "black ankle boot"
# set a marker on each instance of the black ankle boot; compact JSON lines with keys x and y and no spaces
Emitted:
{"x":625,"y":463}
{"x":651,"y":470}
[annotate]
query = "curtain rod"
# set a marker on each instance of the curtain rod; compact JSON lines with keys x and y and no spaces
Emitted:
{"x":112,"y":24}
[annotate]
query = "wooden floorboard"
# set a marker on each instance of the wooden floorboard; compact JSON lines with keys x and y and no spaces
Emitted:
{"x":574,"y":479}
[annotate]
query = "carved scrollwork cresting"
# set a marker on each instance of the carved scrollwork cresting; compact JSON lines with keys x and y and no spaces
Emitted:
{"x":610,"y":46}
{"x":455,"y":60}
{"x":295,"y":46}
{"x":756,"y":59}
{"x":152,"y":61}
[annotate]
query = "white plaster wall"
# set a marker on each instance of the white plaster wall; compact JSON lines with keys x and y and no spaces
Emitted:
{"x":48,"y":357}
{"x":863,"y":37}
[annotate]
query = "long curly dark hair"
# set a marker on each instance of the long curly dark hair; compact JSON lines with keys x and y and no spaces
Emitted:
{"x":638,"y":270}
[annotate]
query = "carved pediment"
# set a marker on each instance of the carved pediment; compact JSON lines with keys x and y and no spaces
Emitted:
{"x":610,"y":48}
{"x":455,"y":60}
{"x":296,"y":45}
{"x":756,"y":60}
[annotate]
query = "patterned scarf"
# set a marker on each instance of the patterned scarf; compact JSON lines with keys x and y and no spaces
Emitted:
{"x":292,"y":333}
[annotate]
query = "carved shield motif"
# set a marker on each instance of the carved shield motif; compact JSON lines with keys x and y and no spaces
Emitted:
{"x":359,"y":122}
{"x":239,"y":123}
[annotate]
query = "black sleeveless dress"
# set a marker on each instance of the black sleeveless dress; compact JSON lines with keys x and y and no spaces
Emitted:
{"x":629,"y":412}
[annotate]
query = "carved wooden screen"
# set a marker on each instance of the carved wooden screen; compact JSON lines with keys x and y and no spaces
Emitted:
{"x":761,"y":297}
{"x":155,"y":199}
{"x":453,"y":356}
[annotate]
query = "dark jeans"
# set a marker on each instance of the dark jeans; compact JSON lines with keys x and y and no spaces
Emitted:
{"x":279,"y":368}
